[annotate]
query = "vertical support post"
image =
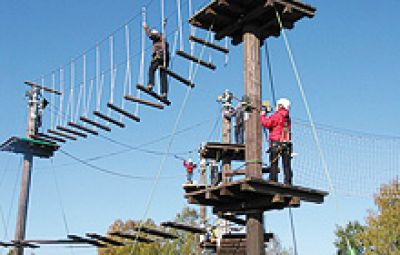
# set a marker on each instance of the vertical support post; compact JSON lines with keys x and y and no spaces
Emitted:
{"x":203,"y":167}
{"x":252,"y":89}
{"x":26,"y":172}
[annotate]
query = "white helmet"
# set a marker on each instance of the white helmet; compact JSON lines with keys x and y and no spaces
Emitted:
{"x":284,"y":102}
{"x":154,"y":32}
{"x":190,"y":160}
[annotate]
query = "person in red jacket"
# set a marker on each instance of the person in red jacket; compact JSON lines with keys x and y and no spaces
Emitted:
{"x":279,"y":126}
{"x":190,"y":166}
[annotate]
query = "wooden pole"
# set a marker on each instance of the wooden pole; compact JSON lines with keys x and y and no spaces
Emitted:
{"x":226,"y":138}
{"x":203,"y":213}
{"x":252,"y":89}
{"x":26,"y":172}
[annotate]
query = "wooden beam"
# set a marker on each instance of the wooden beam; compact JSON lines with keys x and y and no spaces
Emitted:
{"x":231,"y":6}
{"x":308,"y":10}
{"x":90,"y":131}
{"x":232,"y":218}
{"x":68,"y":130}
{"x":155,"y":232}
{"x":132,"y":237}
{"x":123,"y":112}
{"x":94,"y":123}
{"x":142,"y":101}
{"x":58,"y":139}
{"x":184,"y":227}
{"x":209,"y":44}
{"x":88,"y":241}
{"x":109,"y":119}
{"x":177,"y":77}
{"x":34,"y":85}
{"x":153,"y":94}
{"x":196,"y":60}
{"x":62,"y":134}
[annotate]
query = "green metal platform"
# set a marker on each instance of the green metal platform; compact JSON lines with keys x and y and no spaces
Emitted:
{"x":38,"y":148}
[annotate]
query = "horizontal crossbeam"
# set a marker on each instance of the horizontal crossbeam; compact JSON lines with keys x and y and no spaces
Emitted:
{"x":54,"y":132}
{"x":88,"y":241}
{"x":104,"y":239}
{"x":142,"y":101}
{"x":80,"y":127}
{"x":132,"y":237}
{"x":208,"y":44}
{"x":196,"y":60}
{"x":153,"y":94}
{"x":32,"y":84}
{"x":94,"y":123}
{"x":155,"y":232}
{"x":68,"y":130}
{"x":109,"y":119}
{"x":177,"y":77}
{"x":123,"y":112}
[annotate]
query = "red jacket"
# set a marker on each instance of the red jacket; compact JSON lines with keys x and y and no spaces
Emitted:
{"x":189,"y":166}
{"x":276,"y":124}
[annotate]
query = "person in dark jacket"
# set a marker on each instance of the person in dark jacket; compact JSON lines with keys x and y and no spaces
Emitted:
{"x":279,"y":126}
{"x":160,"y":57}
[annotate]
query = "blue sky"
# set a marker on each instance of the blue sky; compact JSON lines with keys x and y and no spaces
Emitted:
{"x":348,"y":58}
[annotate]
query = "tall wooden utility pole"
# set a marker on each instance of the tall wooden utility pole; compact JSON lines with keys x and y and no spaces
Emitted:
{"x":203,"y":167}
{"x":26,"y":171}
{"x":226,"y":138}
{"x":252,"y":90}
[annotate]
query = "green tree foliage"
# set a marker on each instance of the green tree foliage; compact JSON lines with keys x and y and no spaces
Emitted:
{"x":382,"y":234}
{"x":186,"y":244}
{"x":346,"y":238}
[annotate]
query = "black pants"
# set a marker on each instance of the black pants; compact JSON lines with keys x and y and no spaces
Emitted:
{"x":155,"y":63}
{"x":283,"y":150}
{"x":239,"y":134}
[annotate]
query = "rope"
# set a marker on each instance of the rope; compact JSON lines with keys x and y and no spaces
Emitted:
{"x":78,"y":106}
{"x":310,"y":118}
{"x":141,"y":65}
{"x":62,"y":96}
{"x":112,"y":74}
{"x":271,"y":78}
{"x":89,"y":98}
{"x":128,"y":78}
{"x":293,"y":231}
{"x":52,"y":99}
{"x":180,"y":30}
{"x":84,"y":86}
{"x":98,"y":88}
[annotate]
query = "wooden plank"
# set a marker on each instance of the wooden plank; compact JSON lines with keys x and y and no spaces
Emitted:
{"x":155,"y":232}
{"x":109,"y":119}
{"x":196,"y":60}
{"x":132,"y":237}
{"x":94,"y":123}
{"x":4,"y":244}
{"x":35,"y":85}
{"x":232,"y":218}
{"x":123,"y":112}
{"x":104,"y":239}
{"x":184,"y":227}
{"x":68,"y":130}
{"x":36,"y":137}
{"x":208,"y":44}
{"x":22,"y":243}
{"x":83,"y":128}
{"x":88,"y":241}
{"x":145,"y":102}
{"x":58,"y":139}
{"x":54,"y":132}
{"x":153,"y":94}
{"x":177,"y":77}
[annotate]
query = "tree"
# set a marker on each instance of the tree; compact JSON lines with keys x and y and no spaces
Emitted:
{"x":186,"y":244}
{"x":346,"y":238}
{"x":382,"y":234}
{"x":274,"y":247}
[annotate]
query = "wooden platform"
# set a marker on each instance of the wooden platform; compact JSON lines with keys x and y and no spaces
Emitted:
{"x":217,"y":151}
{"x":236,"y":243}
{"x":230,"y":17}
{"x":37,"y":148}
{"x":193,"y":187}
{"x":241,"y":197}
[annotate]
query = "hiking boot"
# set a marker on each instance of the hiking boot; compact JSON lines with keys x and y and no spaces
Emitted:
{"x":150,"y":86}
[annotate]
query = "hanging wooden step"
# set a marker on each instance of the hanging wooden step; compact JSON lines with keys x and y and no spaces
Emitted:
{"x":73,"y":132}
{"x":34,"y":85}
{"x":109,"y":119}
{"x":132,"y":237}
{"x":155,"y":232}
{"x":208,"y":44}
{"x":123,"y":112}
{"x":36,"y":137}
{"x":184,"y":227}
{"x":142,"y":101}
{"x":50,"y":137}
{"x":196,"y":60}
{"x":177,"y":77}
{"x":153,"y":94}
{"x":94,"y":123}
{"x":87,"y":241}
{"x":104,"y":239}
{"x":54,"y":132}
{"x":88,"y":130}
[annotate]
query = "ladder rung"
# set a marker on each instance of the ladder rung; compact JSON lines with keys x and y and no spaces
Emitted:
{"x":153,"y":94}
{"x":36,"y":137}
{"x":123,"y":112}
{"x":142,"y":101}
{"x":68,"y":130}
{"x":50,"y":137}
{"x":109,"y":119}
{"x":196,"y":60}
{"x":176,"y":76}
{"x":91,"y":131}
{"x":94,"y":123}
{"x":61,"y":134}
{"x":208,"y":44}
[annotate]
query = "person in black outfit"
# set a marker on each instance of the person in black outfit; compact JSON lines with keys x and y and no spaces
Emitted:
{"x":160,"y":57}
